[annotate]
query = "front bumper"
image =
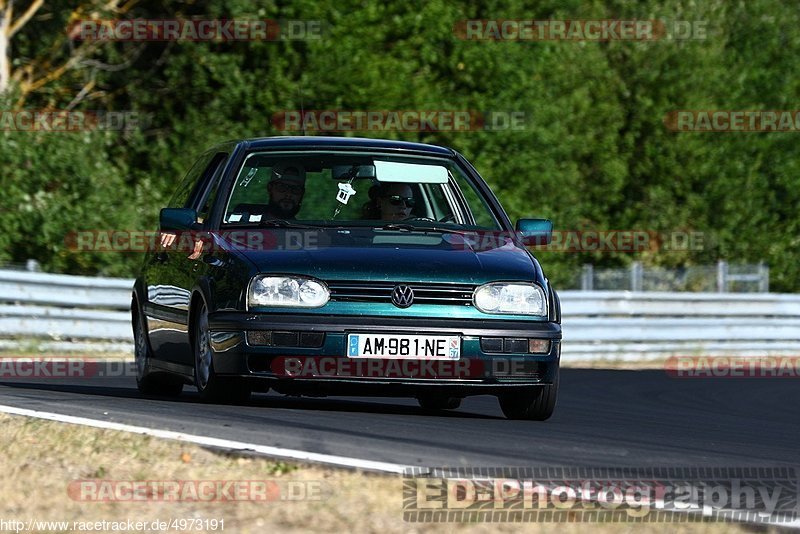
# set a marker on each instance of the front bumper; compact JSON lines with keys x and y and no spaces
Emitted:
{"x":325,"y":368}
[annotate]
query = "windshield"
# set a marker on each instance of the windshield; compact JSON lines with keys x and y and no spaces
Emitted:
{"x":353,"y":189}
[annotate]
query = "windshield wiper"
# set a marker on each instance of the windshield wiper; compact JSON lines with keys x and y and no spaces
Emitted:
{"x":413,"y":227}
{"x":276,"y":223}
{"x":396,"y":226}
{"x":283,"y":223}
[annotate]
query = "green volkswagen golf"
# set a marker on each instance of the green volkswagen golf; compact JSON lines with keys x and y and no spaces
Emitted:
{"x":342,"y":266}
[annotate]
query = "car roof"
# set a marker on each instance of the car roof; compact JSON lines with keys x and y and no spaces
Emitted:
{"x":341,"y":142}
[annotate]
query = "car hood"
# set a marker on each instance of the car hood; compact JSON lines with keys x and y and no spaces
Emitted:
{"x":391,"y":256}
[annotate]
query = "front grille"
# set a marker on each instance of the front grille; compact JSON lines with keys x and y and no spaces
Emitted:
{"x":424,"y":293}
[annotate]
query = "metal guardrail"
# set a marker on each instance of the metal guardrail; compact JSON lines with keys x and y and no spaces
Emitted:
{"x":641,"y":325}
{"x":598,"y":324}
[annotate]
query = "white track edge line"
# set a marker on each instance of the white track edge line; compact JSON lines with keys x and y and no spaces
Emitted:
{"x":339,"y":461}
{"x":277,"y":452}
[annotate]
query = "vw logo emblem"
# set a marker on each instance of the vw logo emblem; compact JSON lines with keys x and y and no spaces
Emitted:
{"x":402,"y":296}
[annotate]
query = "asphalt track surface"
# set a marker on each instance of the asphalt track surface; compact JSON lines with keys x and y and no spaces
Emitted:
{"x":604,"y":418}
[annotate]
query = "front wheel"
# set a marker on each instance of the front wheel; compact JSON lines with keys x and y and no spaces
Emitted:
{"x":537,"y":405}
{"x":211,"y":387}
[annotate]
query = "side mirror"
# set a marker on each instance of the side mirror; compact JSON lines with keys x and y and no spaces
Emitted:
{"x":535,"y":231}
{"x":177,"y":219}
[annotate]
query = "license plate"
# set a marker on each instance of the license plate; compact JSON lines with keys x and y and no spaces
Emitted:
{"x":403,"y":347}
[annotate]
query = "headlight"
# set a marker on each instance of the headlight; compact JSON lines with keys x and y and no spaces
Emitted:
{"x":287,"y":291}
{"x":522,"y":299}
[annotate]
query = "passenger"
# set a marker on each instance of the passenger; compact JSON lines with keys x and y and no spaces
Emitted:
{"x":395,"y":201}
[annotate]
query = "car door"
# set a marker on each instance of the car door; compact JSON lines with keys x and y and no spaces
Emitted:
{"x":170,"y":274}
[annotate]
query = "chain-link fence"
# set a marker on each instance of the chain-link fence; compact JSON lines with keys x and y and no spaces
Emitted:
{"x":722,"y":278}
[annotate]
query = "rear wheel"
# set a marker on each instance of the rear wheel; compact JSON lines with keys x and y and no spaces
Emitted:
{"x":147,"y":382}
{"x":211,"y":387}
{"x":438,"y":402}
{"x":536,"y":405}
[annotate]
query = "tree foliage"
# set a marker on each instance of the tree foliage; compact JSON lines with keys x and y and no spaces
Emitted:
{"x":594,"y":152}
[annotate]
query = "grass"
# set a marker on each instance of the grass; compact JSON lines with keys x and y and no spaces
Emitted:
{"x":40,"y":459}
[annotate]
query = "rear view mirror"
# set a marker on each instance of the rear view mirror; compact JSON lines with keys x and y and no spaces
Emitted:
{"x":343,"y":172}
{"x":535,"y":231}
{"x":177,"y":219}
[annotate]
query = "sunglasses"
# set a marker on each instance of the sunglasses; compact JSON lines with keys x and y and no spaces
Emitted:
{"x":397,"y":200}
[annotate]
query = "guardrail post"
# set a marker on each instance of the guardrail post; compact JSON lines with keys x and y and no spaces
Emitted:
{"x":33,"y":266}
{"x":763,"y":282}
{"x":587,"y":277}
{"x":722,"y":276}
{"x":637,"y":276}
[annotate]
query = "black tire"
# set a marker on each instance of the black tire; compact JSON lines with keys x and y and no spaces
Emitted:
{"x":211,"y":387}
{"x":438,"y":402}
{"x":537,"y":405}
{"x":147,"y":382}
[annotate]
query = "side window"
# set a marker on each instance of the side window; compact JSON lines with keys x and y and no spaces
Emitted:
{"x":181,"y":197}
{"x":482,"y":217}
{"x":208,"y":194}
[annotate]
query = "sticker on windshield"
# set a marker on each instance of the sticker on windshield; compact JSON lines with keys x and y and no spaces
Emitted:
{"x":255,"y":218}
{"x":235,"y":217}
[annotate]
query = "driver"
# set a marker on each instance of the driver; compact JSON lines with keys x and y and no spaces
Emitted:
{"x":395,"y":201}
{"x":286,"y":188}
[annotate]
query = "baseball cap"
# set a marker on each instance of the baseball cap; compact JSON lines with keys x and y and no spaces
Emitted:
{"x":289,"y":173}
